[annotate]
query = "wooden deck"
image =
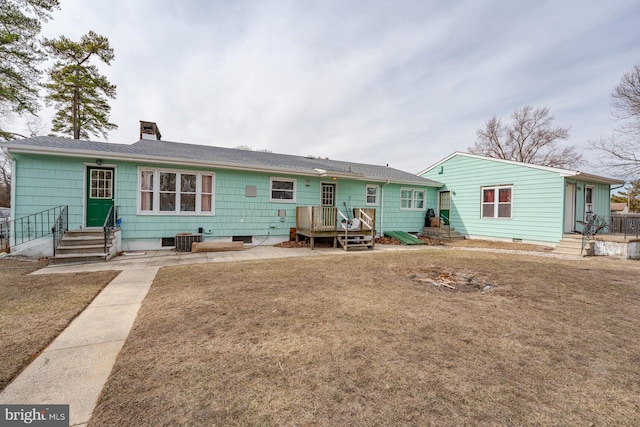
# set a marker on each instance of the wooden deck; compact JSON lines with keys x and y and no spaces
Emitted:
{"x":358,"y":231}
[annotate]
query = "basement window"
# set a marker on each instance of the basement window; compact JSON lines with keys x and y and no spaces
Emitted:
{"x":168,"y":241}
{"x":245,"y":239}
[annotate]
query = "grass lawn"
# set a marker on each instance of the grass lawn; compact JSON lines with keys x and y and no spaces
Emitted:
{"x":371,"y":340}
{"x":35,"y":309}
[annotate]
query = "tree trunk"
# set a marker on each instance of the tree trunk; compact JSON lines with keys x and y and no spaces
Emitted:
{"x":76,"y":100}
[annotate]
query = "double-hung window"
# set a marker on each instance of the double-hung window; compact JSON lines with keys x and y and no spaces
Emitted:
{"x":283,"y":190}
{"x":175,"y":192}
{"x":496,"y":201}
{"x":412,"y":198}
{"x":372,"y":194}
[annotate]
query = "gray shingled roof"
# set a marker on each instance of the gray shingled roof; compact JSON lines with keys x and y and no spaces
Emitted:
{"x":215,"y":156}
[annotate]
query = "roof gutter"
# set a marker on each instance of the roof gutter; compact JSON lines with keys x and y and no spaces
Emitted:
{"x":596,"y":178}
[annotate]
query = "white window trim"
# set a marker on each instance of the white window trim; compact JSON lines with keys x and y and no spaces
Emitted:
{"x":156,"y":192}
{"x":413,"y":198}
{"x":295,"y":187}
{"x":366,"y":194}
{"x":496,"y":203}
{"x":593,"y":198}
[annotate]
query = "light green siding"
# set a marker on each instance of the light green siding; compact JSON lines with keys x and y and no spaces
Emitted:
{"x":43,"y":182}
{"x":537,"y":199}
{"x":601,"y":199}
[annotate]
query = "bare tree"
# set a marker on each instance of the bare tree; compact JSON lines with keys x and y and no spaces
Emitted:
{"x":625,"y":101}
{"x":529,"y":138}
{"x":5,"y":180}
{"x":621,"y":153}
{"x":35,"y":127}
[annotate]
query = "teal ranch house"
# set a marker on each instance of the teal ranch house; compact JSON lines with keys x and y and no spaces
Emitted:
{"x":506,"y":200}
{"x":151,"y":191}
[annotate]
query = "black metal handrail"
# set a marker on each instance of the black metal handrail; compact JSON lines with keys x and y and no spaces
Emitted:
{"x":60,"y":226}
{"x":109,"y":224}
{"x":30,"y":227}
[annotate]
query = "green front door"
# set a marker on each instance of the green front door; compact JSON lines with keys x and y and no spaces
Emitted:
{"x":99,"y":194}
{"x":445,"y":206}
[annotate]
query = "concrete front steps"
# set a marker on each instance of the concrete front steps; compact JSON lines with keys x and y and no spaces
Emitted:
{"x":85,"y":245}
{"x":571,"y":244}
{"x":444,"y":232}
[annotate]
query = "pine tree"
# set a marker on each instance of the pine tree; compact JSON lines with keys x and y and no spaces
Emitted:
{"x":20,"y":54}
{"x":76,"y":87}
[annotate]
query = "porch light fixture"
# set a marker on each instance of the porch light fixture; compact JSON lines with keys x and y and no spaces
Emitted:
{"x":98,"y":162}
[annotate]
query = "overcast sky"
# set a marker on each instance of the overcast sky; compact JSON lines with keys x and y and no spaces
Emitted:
{"x":399,"y":82}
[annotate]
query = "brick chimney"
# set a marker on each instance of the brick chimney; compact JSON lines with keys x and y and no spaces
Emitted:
{"x":149,"y":130}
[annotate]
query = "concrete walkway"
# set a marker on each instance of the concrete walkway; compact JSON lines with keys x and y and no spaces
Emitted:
{"x":75,"y":366}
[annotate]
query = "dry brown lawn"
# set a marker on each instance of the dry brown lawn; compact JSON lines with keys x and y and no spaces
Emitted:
{"x":35,"y":309}
{"x":480,"y":243}
{"x":365,"y":340}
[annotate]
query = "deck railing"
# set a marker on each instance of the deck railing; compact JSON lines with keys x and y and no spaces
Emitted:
{"x":316,"y":218}
{"x":329,"y":218}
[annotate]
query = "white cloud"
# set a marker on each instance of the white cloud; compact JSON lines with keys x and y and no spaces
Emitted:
{"x":404,"y":83}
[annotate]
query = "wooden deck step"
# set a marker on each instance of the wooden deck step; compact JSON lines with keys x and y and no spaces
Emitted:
{"x":355,"y":241}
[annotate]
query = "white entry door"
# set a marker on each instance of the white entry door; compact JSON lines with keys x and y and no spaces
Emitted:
{"x":328,"y":195}
{"x":569,"y":208}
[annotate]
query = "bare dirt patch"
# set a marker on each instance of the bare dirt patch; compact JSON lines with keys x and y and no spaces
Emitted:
{"x":440,"y":279}
{"x":354,"y":340}
{"x":35,"y":309}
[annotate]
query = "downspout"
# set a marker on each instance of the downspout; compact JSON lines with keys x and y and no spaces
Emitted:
{"x":382,"y":208}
